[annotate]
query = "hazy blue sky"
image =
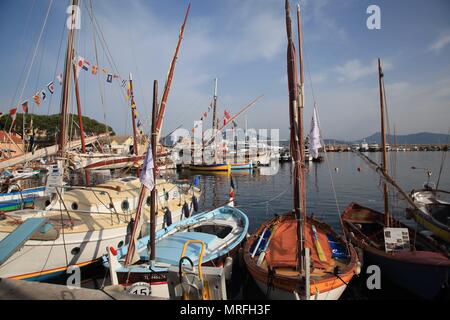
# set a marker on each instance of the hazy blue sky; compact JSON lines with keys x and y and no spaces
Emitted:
{"x":243,"y":43}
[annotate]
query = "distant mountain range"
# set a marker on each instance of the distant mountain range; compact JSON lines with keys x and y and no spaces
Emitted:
{"x":414,"y":138}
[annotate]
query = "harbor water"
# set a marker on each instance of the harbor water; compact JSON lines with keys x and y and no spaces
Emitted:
{"x":330,"y":186}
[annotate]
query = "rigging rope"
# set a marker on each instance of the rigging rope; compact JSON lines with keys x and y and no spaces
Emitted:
{"x":34,"y":53}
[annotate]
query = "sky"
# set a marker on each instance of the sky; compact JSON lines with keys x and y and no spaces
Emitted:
{"x":243,"y":44}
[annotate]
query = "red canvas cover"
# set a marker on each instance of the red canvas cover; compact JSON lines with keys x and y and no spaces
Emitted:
{"x":282,"y":251}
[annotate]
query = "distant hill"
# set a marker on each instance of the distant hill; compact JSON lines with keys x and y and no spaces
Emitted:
{"x":415,"y":138}
{"x":50,"y":124}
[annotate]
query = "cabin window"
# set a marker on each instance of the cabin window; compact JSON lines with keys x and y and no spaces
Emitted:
{"x":74,"y":206}
{"x":120,"y":244}
{"x":125,"y":205}
{"x":75,"y":251}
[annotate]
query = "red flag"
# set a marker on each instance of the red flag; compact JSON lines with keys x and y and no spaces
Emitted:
{"x":12,"y":114}
{"x":25,"y":106}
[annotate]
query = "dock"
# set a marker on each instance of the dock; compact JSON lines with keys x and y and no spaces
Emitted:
{"x":27,"y":290}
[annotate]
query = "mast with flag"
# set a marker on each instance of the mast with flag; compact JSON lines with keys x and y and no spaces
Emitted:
{"x":147,"y":179}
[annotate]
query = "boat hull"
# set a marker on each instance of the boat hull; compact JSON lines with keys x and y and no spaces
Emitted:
{"x":291,"y":286}
{"x":423,"y":271}
{"x":20,"y":199}
{"x":423,"y":280}
{"x":211,"y":168}
{"x":43,"y":260}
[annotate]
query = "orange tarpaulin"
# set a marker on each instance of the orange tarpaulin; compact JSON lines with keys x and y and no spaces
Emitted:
{"x":282,"y":251}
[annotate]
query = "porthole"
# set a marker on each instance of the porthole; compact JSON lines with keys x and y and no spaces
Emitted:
{"x":75,"y":251}
{"x":125,"y":205}
{"x":74,"y":206}
{"x":120,"y":244}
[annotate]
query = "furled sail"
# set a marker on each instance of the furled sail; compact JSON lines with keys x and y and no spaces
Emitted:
{"x":314,"y":135}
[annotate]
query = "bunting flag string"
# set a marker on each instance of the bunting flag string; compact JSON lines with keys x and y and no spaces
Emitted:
{"x":81,"y":64}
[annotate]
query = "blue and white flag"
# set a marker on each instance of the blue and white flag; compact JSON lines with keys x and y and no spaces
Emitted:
{"x":147,"y":170}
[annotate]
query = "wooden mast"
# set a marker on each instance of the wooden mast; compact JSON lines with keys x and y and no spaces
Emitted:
{"x":301,"y":104}
{"x":153,"y":192}
{"x":132,"y":245}
{"x":383,"y":143}
{"x":65,"y":96}
{"x":215,"y":124}
{"x":133,"y":116}
{"x":165,"y":95}
{"x":294,"y":130}
{"x":80,"y":121}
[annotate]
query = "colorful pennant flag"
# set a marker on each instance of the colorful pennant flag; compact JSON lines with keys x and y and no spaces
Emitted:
{"x":37,"y":98}
{"x":43,"y":95}
{"x":51,"y":87}
{"x":25,"y":106}
{"x":124,"y":83}
{"x":94,"y":69}
{"x":60,"y":78}
{"x":109,"y":79}
{"x":13,"y":114}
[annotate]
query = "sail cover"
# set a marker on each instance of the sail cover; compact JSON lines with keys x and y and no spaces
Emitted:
{"x":314,"y":135}
{"x":147,"y":178}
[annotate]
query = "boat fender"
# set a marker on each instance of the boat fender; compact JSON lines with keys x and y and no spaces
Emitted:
{"x":228,"y":268}
{"x":195,"y":203}
{"x":186,"y":210}
{"x":358,"y":268}
{"x":167,"y":217}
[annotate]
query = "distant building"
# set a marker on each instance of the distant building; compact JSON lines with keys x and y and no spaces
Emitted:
{"x":11,"y":145}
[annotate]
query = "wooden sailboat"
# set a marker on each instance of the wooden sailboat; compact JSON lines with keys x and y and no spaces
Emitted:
{"x":410,"y":259}
{"x":82,"y":221}
{"x":213,"y":236}
{"x":293,"y":256}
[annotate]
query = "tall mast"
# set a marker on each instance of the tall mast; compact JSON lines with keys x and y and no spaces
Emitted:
{"x":294,"y":129}
{"x":301,"y":104}
{"x":165,"y":95}
{"x":214,"y":119}
{"x":153,"y":192}
{"x":65,"y":96}
{"x":133,"y":116}
{"x":80,"y":121}
{"x":383,"y":142}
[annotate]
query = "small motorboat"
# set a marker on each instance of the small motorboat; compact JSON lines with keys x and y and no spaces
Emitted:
{"x":206,"y":238}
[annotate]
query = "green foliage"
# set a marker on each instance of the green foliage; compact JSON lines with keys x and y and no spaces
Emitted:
{"x":51,"y":124}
